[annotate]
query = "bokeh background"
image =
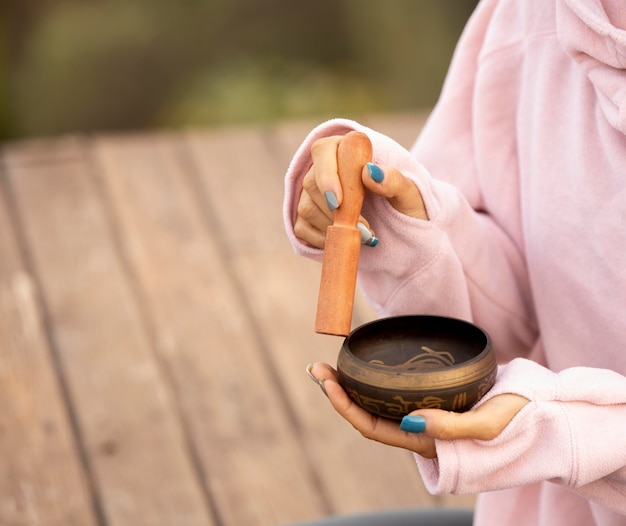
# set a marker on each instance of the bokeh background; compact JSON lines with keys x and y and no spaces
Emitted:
{"x":94,"y":65}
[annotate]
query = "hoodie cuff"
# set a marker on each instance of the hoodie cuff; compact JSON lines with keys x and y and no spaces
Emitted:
{"x":422,"y":239}
{"x":549,"y":439}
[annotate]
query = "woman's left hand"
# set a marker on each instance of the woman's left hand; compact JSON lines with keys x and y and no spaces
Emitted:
{"x":484,"y":423}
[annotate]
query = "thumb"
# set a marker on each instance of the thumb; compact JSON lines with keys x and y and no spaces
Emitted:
{"x":401,"y":192}
{"x":484,"y":423}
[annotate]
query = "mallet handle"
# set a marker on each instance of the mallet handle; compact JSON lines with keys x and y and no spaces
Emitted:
{"x":343,"y":240}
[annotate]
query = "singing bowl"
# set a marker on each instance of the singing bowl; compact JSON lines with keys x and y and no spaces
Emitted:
{"x":396,"y":365}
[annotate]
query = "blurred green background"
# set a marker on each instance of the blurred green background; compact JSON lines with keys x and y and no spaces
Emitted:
{"x":102,"y":65}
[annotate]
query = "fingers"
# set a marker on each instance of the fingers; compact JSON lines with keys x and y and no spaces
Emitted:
{"x":322,"y":371}
{"x":324,"y":155}
{"x":309,"y":234}
{"x":315,"y":205}
{"x":314,"y":216}
{"x":401,"y":192}
{"x":325,"y":188}
{"x":370,"y":426}
{"x":312,"y":219}
{"x":322,"y":194}
{"x":484,"y":423}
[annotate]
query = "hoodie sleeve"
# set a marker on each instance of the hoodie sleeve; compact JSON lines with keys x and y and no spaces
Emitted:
{"x":549,"y":439}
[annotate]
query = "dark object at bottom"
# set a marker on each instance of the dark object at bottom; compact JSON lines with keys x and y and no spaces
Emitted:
{"x":410,"y":517}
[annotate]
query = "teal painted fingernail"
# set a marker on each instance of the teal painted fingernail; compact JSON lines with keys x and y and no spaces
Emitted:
{"x":367,"y":238}
{"x":375,"y":172}
{"x":331,"y":200}
{"x":413,"y":424}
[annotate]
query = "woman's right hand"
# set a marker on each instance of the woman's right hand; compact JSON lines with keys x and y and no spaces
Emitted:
{"x":322,"y":194}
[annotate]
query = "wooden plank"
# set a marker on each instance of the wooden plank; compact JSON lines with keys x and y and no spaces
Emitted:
{"x":357,"y":474}
{"x":42,"y":481}
{"x":245,"y":442}
{"x":124,"y":408}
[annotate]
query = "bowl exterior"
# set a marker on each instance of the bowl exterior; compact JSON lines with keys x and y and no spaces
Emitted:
{"x":395,"y":404}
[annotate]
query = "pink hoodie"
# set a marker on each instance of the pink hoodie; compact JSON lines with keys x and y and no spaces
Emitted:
{"x":522,"y":167}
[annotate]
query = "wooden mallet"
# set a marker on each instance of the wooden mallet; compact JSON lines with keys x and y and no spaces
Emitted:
{"x":343,"y":240}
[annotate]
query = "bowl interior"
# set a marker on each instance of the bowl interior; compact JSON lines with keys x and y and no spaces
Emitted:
{"x":416,"y":343}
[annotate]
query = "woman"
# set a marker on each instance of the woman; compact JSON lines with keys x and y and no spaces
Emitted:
{"x":510,"y":211}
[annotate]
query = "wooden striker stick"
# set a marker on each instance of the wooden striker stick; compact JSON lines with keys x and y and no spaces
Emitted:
{"x":343,"y":240}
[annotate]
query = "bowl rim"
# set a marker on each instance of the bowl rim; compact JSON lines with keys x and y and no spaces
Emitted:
{"x":438,"y":377}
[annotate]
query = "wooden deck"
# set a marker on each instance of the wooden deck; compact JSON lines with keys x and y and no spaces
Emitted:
{"x":154,"y":330}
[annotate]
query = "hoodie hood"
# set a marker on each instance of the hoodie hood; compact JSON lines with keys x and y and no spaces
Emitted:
{"x":593,"y":33}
